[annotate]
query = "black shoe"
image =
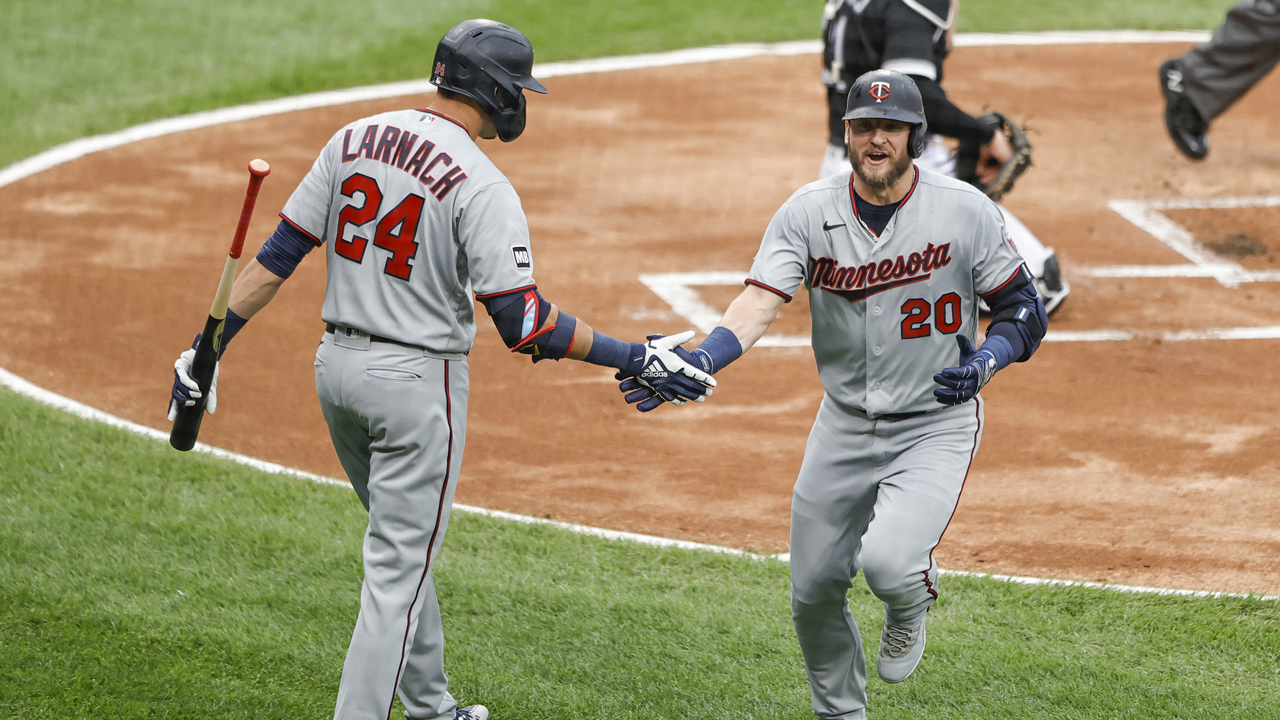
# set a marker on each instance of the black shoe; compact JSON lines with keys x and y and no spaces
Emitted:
{"x":1181,"y":118}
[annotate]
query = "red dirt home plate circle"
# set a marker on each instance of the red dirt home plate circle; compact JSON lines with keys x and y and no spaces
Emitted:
{"x":1138,"y":462}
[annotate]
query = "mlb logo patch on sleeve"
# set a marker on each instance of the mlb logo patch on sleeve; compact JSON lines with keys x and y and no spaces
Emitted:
{"x":522,"y":257}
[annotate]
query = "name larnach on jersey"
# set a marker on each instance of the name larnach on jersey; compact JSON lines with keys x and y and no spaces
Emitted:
{"x":859,"y":282}
{"x":396,"y":148}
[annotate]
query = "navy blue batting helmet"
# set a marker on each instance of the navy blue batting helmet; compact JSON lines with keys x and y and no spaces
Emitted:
{"x":492,"y":64}
{"x":893,"y":96}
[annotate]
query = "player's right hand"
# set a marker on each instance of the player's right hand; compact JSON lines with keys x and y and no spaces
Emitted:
{"x":667,"y":373}
{"x":185,"y":388}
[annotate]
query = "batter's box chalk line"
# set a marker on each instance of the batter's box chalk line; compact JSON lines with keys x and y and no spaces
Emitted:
{"x":679,"y":289}
{"x":65,"y":404}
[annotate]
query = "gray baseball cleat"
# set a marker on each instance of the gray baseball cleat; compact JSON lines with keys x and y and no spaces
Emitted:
{"x":900,"y":651}
{"x":473,"y":712}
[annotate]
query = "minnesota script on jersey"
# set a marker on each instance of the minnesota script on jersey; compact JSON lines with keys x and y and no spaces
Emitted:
{"x":886,"y":310}
{"x":425,"y":219}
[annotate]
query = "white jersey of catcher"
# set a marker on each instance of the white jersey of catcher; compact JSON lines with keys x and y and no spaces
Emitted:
{"x":886,"y":310}
{"x":415,"y":218}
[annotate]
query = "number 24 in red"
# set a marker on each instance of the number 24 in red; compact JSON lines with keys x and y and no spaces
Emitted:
{"x":946,"y":315}
{"x":395,"y":231}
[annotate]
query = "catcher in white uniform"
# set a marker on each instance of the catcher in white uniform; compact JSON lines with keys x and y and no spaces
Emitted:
{"x":415,"y":218}
{"x":895,"y":258}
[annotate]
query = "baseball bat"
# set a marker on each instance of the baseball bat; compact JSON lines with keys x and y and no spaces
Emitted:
{"x":187,"y":425}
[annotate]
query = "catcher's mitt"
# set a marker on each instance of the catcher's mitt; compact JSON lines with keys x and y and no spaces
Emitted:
{"x":969,"y":152}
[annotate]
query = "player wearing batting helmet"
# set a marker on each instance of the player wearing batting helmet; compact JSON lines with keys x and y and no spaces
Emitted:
{"x":895,"y":258}
{"x":415,"y":220}
{"x":914,"y":37}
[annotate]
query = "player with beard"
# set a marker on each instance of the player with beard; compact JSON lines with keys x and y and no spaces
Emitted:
{"x":895,"y":258}
{"x":915,"y":37}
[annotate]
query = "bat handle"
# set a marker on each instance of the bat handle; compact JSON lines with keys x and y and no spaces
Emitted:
{"x":186,"y":427}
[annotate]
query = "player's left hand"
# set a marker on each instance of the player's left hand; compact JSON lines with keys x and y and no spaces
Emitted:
{"x":185,"y":388}
{"x":961,"y":383}
{"x":667,"y":373}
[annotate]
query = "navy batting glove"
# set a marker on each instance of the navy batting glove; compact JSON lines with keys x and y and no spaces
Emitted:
{"x":961,"y":383}
{"x":647,"y":382}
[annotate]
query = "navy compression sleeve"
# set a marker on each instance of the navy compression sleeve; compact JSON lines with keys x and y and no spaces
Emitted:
{"x":286,"y":247}
{"x":719,"y":349}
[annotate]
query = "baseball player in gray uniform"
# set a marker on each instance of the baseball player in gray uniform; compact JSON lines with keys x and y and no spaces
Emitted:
{"x":415,"y":219}
{"x":914,"y":37}
{"x":1202,"y":84}
{"x":895,"y":258}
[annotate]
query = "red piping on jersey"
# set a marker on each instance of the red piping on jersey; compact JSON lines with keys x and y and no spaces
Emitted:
{"x":445,"y":117}
{"x":505,"y":292}
{"x":977,"y":413}
{"x":444,"y":488}
{"x":298,"y":227}
{"x":915,"y":180}
{"x":1012,"y":277}
{"x":773,"y":290}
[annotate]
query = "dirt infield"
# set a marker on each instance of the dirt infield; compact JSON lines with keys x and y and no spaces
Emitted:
{"x":1147,"y":461}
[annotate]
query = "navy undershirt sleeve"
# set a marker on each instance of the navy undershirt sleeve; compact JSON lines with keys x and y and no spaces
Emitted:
{"x":282,"y":252}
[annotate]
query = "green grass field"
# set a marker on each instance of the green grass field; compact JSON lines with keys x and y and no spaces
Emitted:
{"x":139,"y":583}
{"x":136,"y":582}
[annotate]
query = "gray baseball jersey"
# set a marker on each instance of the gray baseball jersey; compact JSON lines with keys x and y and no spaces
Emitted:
{"x":415,"y":218}
{"x":885,"y":463}
{"x":886,"y":309}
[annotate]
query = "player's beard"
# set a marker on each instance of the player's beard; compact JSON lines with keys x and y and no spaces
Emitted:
{"x":888,"y":175}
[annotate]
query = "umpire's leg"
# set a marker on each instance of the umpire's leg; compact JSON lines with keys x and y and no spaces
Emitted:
{"x":1241,"y":52}
{"x":830,"y":508}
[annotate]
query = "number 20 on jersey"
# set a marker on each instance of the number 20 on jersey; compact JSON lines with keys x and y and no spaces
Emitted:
{"x":919,"y":316}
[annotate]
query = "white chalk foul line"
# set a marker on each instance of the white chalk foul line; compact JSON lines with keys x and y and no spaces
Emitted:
{"x":65,"y":404}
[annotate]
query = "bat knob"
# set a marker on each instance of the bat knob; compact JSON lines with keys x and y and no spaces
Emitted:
{"x":259,"y":168}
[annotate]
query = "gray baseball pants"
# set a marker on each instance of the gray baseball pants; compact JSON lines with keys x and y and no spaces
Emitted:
{"x":876,"y":495}
{"x":398,"y":418}
{"x":1241,"y":52}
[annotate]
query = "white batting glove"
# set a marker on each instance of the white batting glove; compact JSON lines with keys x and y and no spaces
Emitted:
{"x":185,"y":388}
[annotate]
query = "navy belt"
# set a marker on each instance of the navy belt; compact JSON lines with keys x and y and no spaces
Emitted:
{"x":331,"y":328}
